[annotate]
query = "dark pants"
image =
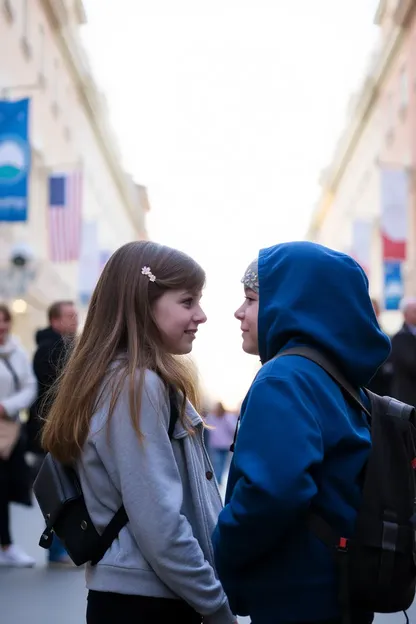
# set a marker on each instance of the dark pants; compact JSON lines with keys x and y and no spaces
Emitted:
{"x":14,"y":487}
{"x":356,"y":619}
{"x":5,"y":538}
{"x":110,"y":608}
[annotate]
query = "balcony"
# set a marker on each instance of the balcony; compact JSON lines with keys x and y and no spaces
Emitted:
{"x":80,"y":12}
{"x":381,"y":10}
{"x":403,"y":12}
{"x":8,"y":10}
{"x":57,"y":11}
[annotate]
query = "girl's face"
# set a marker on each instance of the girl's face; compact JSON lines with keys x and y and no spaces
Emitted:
{"x":178,"y":315}
{"x":247,"y":314}
{"x":5,"y":326}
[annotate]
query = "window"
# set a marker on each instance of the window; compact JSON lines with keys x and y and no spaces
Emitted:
{"x":389,"y":117}
{"x":41,"y":66}
{"x":8,"y":10}
{"x":67,"y":134}
{"x":67,"y":103}
{"x":56,"y":81}
{"x":25,"y":19}
{"x":403,"y":90}
{"x":25,"y":29}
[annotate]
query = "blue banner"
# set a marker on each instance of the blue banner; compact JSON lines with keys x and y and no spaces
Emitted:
{"x":14,"y":160}
{"x":393,"y":284}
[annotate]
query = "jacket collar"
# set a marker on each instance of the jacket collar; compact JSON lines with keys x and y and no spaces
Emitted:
{"x":194,"y":418}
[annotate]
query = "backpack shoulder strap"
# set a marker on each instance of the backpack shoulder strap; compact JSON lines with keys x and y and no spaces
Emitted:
{"x":174,"y":410}
{"x":315,"y":356}
{"x":120,"y":518}
{"x":13,"y":373}
{"x":392,"y":407}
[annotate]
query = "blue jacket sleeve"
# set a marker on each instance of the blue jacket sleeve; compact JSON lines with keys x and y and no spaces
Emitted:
{"x":278,"y":444}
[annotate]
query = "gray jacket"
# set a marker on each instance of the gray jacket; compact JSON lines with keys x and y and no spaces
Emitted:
{"x":170,"y":497}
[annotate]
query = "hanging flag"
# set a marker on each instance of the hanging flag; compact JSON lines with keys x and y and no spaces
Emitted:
{"x":362,"y":232}
{"x":14,"y":160}
{"x":394,"y":212}
{"x":393,"y":284}
{"x":64,"y":216}
{"x":394,"y":222}
{"x":89,"y":262}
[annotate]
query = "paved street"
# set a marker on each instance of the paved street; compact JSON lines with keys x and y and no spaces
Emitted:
{"x":43,"y":596}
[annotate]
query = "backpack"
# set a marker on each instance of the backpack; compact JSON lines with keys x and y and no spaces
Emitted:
{"x":377,"y":565}
{"x":58,"y":491}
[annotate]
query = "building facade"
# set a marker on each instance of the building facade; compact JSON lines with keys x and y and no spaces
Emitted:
{"x":42,"y":58}
{"x":380,"y":133}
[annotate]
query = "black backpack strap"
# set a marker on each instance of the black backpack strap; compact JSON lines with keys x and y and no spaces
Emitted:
{"x":351,"y":393}
{"x":13,"y":373}
{"x":339,"y":546}
{"x":396,"y":408}
{"x":111,"y":531}
{"x":120,"y":518}
{"x":174,"y":410}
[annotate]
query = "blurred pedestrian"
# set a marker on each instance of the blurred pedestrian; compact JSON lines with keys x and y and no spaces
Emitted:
{"x":403,"y":355}
{"x":381,"y":383}
{"x":54,"y":344}
{"x":17,"y":391}
{"x":300,"y":445}
{"x":111,"y":417}
{"x":220,"y":437}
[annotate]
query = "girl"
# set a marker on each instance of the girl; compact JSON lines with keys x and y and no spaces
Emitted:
{"x":299,"y":443}
{"x":111,"y":417}
{"x":17,"y":392}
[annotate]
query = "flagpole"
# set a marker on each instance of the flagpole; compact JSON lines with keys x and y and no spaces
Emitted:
{"x":397,"y":250}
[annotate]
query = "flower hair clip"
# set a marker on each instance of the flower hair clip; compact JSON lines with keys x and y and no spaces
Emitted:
{"x":251,"y":280}
{"x":148,"y":272}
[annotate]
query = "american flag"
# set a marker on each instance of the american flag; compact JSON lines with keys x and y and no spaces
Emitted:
{"x":65,"y":216}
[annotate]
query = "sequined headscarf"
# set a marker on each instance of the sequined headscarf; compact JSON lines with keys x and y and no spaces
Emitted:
{"x":251,"y":276}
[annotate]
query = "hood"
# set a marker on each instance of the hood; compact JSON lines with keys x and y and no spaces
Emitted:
{"x":314,"y":296}
{"x":47,"y":335}
{"x":12,"y":344}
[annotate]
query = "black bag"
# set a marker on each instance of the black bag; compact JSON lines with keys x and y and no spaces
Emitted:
{"x":58,"y":492}
{"x":378,"y":564}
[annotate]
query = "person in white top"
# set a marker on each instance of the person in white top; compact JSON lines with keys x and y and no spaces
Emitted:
{"x":17,"y":392}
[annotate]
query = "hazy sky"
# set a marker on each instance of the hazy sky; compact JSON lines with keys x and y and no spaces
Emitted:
{"x":227,"y":110}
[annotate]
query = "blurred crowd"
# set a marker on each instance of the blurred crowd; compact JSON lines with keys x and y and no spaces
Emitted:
{"x":24,"y":396}
{"x":397,"y":376}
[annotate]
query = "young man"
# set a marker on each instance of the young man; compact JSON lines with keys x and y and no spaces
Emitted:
{"x":300,"y":445}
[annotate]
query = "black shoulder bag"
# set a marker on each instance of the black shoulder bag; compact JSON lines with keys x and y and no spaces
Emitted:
{"x":58,"y":491}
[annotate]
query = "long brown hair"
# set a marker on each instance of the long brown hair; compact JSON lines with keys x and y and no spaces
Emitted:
{"x":120,"y":322}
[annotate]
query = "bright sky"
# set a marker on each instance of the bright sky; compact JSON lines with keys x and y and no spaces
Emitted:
{"x":227,"y":111}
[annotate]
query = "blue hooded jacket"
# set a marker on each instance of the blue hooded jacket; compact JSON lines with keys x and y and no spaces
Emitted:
{"x":299,"y":442}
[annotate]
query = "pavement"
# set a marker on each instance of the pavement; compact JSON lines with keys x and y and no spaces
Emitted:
{"x":44,"y":596}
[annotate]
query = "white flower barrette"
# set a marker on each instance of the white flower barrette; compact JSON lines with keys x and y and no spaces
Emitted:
{"x":148,"y":272}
